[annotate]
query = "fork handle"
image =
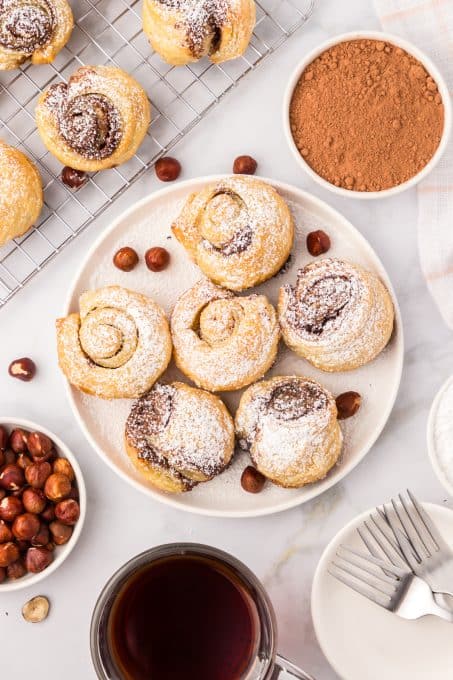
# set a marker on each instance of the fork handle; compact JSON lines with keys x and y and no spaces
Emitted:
{"x":437,"y":610}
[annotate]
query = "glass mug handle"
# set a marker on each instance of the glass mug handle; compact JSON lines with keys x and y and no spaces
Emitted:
{"x":282,"y":664}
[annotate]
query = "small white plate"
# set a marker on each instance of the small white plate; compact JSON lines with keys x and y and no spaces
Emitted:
{"x":440,"y":435}
{"x":147,"y":224}
{"x":363,"y":641}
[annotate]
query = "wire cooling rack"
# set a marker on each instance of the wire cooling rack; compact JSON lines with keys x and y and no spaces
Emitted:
{"x":110,"y":32}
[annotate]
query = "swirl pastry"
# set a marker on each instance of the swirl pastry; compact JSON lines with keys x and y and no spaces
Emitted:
{"x":21,"y":197}
{"x":33,"y":29}
{"x":177,"y":436}
{"x":223,"y":342}
{"x":95,"y":121}
{"x":117,"y":347}
{"x":239,"y":231}
{"x":338,"y":316}
{"x":289,"y":426}
{"x":182,"y":31}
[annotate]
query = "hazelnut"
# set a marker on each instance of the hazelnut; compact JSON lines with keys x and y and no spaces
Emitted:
{"x":74,"y":494}
{"x":42,"y":538}
{"x":38,"y":444}
{"x":37,"y":559}
{"x":348,"y":404}
{"x":48,"y":514}
{"x":34,"y":500}
{"x":57,"y":487}
{"x":36,"y":609}
{"x":2,"y":494}
{"x":26,"y":526}
{"x":5,"y":532}
{"x":167,"y":169}
{"x":10,"y":508}
{"x":67,"y":511}
{"x":318,"y":243}
{"x":16,"y":570}
{"x":157,"y":259}
{"x":23,"y":546}
{"x":10,"y":457}
{"x":23,"y":461}
{"x":61,"y":533}
{"x":9,"y":553}
{"x":244,"y":165}
{"x":64,"y":466}
{"x":2,"y":458}
{"x":12,"y":478}
{"x":3,"y":438}
{"x":2,"y":574}
{"x":252,"y":480}
{"x":36,"y":474}
{"x":73,"y":179}
{"x":125,"y":259}
{"x":18,"y":440}
{"x":23,"y":369}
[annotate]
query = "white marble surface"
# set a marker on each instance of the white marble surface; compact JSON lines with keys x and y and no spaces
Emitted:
{"x":282,"y":549}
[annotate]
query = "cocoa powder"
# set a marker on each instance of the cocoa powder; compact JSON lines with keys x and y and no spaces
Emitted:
{"x":366,"y":116}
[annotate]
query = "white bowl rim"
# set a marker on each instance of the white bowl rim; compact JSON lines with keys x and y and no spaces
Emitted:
{"x":67,"y":548}
{"x":440,"y":474}
{"x":414,"y":51}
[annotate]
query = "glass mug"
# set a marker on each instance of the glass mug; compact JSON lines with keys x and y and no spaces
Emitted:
{"x":263,"y":663}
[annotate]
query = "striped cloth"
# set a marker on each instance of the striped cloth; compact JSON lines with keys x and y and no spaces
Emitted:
{"x":429,"y":25}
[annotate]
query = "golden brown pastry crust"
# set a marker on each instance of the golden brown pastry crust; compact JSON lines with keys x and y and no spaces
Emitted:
{"x":178,"y":436}
{"x":338,"y":316}
{"x":117,"y":347}
{"x":33,"y":29}
{"x":182,"y":32}
{"x":221,"y":341}
{"x":238,"y":230}
{"x":289,"y":426}
{"x":97,"y":121}
{"x":21,"y":196}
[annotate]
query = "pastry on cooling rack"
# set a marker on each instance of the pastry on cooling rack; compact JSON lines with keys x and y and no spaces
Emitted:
{"x":177,"y":436}
{"x":21,"y":197}
{"x":238,"y":230}
{"x":182,"y":31}
{"x":117,"y":346}
{"x":289,"y":426}
{"x":223,"y":342}
{"x":338,"y":316}
{"x":33,"y":29}
{"x":95,"y":121}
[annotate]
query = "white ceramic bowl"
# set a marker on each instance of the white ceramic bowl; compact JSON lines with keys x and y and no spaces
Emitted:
{"x":412,"y":50}
{"x":61,"y":552}
{"x":439,"y":411}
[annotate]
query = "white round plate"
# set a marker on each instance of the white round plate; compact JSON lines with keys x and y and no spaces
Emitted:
{"x":440,"y":435}
{"x":362,"y":640}
{"x":147,"y":224}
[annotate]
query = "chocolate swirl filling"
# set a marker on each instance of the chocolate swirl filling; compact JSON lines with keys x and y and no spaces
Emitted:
{"x":228,"y":207}
{"x":320,"y":304}
{"x":202,"y":22}
{"x":294,"y":400}
{"x":26,"y":26}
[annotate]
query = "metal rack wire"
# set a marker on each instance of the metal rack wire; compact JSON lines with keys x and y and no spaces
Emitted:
{"x":110,"y":32}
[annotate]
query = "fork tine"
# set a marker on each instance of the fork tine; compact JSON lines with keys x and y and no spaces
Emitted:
{"x":385,"y":549}
{"x":367,"y":591}
{"x":426,"y":540}
{"x":404,"y":542}
{"x":386,"y":540}
{"x":429,"y":524}
{"x":382,"y":583}
{"x":410,"y":531}
{"x":370,"y":559}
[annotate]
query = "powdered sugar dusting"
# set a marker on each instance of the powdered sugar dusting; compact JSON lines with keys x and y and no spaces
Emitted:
{"x":202,"y":20}
{"x":25,"y":27}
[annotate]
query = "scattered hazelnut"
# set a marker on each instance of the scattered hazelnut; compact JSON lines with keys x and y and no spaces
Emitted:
{"x":57,"y":486}
{"x":38,"y":444}
{"x":23,"y":461}
{"x":64,"y":466}
{"x":2,"y":574}
{"x":167,"y":169}
{"x":23,"y":369}
{"x":12,"y":478}
{"x":16,"y":570}
{"x":26,"y":526}
{"x":61,"y":533}
{"x":37,"y":559}
{"x":67,"y":511}
{"x":252,"y":480}
{"x":3,"y":438}
{"x":42,"y":537}
{"x":74,"y":179}
{"x":157,"y":259}
{"x":10,"y":508}
{"x":48,"y":514}
{"x":18,"y":441}
{"x":9,"y":553}
{"x":34,"y":500}
{"x":36,"y":474}
{"x":36,"y":609}
{"x":125,"y":259}
{"x":5,"y":532}
{"x":318,"y":243}
{"x":348,"y":404}
{"x":244,"y":165}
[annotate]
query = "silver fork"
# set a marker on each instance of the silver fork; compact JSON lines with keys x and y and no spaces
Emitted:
{"x":393,"y":588}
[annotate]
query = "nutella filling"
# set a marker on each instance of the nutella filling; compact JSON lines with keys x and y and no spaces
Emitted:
{"x":202,"y":21}
{"x":294,"y":400}
{"x":26,"y":26}
{"x":225,"y":209}
{"x":321,"y":303}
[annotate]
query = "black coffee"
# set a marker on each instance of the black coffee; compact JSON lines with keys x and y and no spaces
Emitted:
{"x":184,"y":617}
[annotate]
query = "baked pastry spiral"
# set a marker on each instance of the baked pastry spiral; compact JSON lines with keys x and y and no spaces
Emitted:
{"x":33,"y":29}
{"x":117,"y":347}
{"x":239,"y":231}
{"x":338,"y":316}
{"x":21,"y":196}
{"x":95,"y":121}
{"x":289,"y":426}
{"x":223,"y":342}
{"x":182,"y":31}
{"x":177,"y":436}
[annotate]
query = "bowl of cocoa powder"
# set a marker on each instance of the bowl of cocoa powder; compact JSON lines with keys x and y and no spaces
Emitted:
{"x":367,"y":114}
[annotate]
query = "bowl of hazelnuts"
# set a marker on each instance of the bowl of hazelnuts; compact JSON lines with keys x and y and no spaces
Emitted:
{"x":42,"y":503}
